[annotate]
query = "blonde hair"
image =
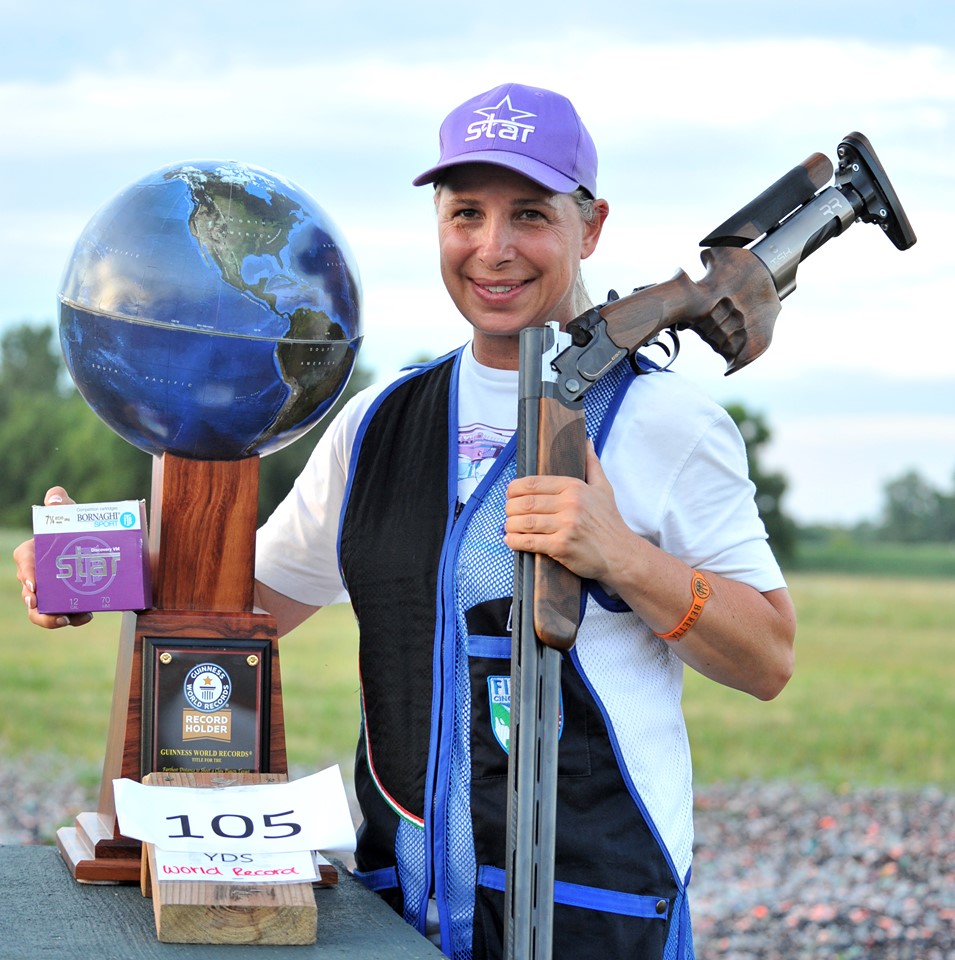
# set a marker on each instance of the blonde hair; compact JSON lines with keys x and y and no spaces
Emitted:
{"x":585,"y":204}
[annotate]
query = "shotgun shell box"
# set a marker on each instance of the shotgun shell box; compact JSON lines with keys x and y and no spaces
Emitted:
{"x":92,"y":557}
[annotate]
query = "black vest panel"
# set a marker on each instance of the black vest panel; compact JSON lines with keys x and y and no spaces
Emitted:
{"x":391,"y":546}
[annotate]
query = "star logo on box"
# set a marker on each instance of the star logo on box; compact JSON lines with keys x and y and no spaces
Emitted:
{"x":88,"y":564}
{"x":503,"y":122}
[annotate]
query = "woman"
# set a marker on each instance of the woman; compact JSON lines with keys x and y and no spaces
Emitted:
{"x":409,"y":508}
{"x":427,"y":564}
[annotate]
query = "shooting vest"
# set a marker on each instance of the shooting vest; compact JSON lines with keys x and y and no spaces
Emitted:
{"x":432,"y":590}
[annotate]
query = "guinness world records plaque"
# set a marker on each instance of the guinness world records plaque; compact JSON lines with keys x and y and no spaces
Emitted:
{"x":208,"y":706}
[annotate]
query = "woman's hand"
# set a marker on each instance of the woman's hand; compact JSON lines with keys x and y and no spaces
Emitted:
{"x":573,"y":521}
{"x":24,"y":556}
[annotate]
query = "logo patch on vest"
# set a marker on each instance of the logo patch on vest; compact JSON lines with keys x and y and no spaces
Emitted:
{"x":499,"y":700}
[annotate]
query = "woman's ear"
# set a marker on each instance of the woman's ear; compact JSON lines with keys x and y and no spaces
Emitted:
{"x":592,"y":228}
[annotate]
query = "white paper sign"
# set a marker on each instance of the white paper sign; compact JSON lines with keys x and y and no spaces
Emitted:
{"x":178,"y":865}
{"x":307,"y":814}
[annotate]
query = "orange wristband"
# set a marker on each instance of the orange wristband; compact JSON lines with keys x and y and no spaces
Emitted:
{"x":701,"y":593}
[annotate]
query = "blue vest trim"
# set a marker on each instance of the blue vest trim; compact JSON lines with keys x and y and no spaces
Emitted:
{"x":612,"y":604}
{"x":444,"y":657}
{"x":385,"y":879}
{"x":589,"y":898}
{"x":496,"y":648}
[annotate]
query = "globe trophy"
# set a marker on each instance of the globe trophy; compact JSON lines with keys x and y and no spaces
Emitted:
{"x":210,"y":314}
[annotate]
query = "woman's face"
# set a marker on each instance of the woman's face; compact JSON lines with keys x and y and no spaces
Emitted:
{"x":510,"y":254}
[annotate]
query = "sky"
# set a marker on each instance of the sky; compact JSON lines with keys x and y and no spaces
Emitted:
{"x":696,"y":107}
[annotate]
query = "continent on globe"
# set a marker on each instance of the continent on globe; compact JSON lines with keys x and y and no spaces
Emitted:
{"x":211,"y":310}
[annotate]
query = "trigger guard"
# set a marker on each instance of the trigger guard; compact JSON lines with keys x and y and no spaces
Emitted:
{"x":671,"y":349}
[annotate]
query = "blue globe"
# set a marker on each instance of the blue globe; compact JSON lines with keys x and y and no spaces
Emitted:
{"x":210,"y":310}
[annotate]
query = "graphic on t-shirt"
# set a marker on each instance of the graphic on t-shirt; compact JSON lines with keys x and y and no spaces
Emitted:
{"x":478,"y":447}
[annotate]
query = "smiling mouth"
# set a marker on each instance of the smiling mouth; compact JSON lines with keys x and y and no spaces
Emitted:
{"x":502,"y":287}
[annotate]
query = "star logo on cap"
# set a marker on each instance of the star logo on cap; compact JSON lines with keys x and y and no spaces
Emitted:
{"x":497,"y":114}
{"x":504,"y":121}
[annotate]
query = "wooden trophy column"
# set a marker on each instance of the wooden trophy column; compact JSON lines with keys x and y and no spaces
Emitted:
{"x":202,"y":545}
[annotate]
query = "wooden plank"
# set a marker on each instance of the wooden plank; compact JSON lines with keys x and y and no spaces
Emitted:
{"x":191,"y":912}
{"x":201,"y":912}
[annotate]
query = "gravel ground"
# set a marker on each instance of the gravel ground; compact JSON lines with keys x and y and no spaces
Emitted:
{"x":782,"y":871}
{"x":786,"y":872}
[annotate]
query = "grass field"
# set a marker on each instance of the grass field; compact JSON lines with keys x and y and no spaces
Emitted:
{"x":872,"y":701}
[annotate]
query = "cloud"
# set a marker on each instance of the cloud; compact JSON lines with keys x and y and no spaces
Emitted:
{"x":696,"y":109}
{"x":660,"y":86}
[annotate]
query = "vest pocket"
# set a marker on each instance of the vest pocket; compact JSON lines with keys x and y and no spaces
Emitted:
{"x":590,"y":923}
{"x":490,"y":676}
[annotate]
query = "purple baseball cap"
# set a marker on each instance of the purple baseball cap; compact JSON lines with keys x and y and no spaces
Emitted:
{"x":532,"y":131}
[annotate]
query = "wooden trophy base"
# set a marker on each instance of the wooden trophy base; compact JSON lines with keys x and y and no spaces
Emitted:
{"x":94,"y":854}
{"x":202,"y":549}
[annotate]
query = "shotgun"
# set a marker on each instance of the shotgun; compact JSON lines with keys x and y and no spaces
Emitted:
{"x":751,"y":263}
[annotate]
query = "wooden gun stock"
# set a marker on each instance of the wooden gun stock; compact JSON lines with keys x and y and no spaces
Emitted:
{"x":733,"y":308}
{"x":561,"y":445}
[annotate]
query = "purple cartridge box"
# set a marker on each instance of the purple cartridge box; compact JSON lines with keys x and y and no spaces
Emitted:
{"x":92,"y":557}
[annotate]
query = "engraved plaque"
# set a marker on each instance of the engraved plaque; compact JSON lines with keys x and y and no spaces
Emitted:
{"x":205,"y":706}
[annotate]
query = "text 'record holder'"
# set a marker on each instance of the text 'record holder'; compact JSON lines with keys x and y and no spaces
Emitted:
{"x":201,"y":633}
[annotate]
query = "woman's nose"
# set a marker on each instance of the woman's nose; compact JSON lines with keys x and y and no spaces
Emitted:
{"x":496,"y":242}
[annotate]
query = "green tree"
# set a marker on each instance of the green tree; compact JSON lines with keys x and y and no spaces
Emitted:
{"x":946,"y":509}
{"x":915,"y":512}
{"x":50,"y":436}
{"x":770,"y":486}
{"x":30,"y":362}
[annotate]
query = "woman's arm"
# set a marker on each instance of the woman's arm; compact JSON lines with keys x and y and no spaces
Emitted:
{"x":288,"y":613}
{"x":743,"y":638}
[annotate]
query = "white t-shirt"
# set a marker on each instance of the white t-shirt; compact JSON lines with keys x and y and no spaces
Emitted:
{"x":487,"y":419}
{"x":674,"y":457}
